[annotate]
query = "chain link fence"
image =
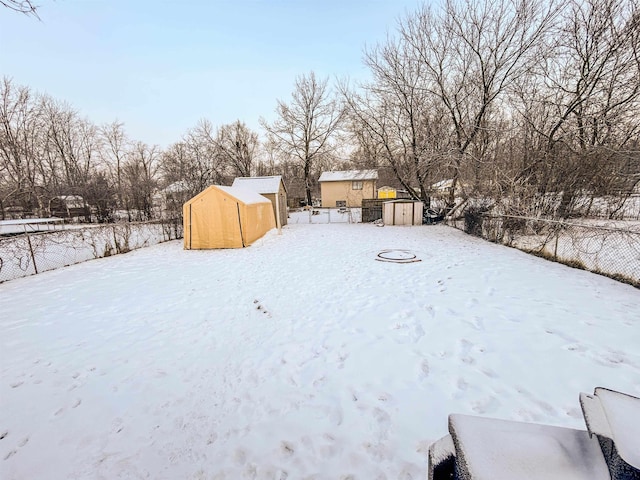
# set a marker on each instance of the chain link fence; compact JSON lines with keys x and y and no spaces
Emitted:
{"x":30,"y":254}
{"x":610,"y":248}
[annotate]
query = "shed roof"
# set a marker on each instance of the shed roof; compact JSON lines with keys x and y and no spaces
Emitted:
{"x":72,"y":201}
{"x":348,"y":175}
{"x":177,"y":187}
{"x":245,"y":195}
{"x":269,"y":184}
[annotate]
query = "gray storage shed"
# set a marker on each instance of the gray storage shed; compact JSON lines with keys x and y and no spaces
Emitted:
{"x":271,"y":187}
{"x":402,"y":212}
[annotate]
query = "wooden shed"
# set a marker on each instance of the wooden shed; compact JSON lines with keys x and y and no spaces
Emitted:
{"x":402,"y":212}
{"x":226,"y":217}
{"x":271,"y":187}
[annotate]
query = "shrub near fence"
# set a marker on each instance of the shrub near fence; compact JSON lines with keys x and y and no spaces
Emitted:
{"x":610,"y":248}
{"x":30,"y":254}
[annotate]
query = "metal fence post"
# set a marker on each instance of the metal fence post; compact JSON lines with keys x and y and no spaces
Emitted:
{"x":33,"y":257}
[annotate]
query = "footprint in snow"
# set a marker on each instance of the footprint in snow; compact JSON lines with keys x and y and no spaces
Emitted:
{"x":384,"y":397}
{"x":485,"y":405}
{"x":383,"y":420}
{"x":424,"y":369}
{"x":575,"y":347}
{"x":611,"y":358}
{"x":476,"y":322}
{"x":261,"y":308}
{"x":328,"y":449}
{"x":10,"y":454}
{"x":240,"y":457}
{"x":378,"y":452}
{"x":13,"y":451}
{"x":461,"y":384}
{"x":465,"y":349}
{"x":286,"y":449}
{"x":430,"y":310}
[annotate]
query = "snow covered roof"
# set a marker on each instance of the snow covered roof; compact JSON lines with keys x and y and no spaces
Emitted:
{"x":269,"y":184}
{"x":443,"y":184}
{"x":348,"y":175}
{"x":72,"y":201}
{"x":177,"y":187}
{"x":70,"y":197}
{"x":243,"y":194}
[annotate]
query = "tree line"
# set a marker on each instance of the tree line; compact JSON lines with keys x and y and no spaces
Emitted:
{"x":526,"y":107}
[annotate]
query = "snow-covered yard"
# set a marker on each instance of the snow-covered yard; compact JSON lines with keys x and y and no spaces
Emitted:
{"x":299,"y":357}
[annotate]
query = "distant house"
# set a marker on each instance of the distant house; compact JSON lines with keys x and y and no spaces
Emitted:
{"x":442,"y":185}
{"x":271,"y":187}
{"x":68,"y":206}
{"x":347,"y":188}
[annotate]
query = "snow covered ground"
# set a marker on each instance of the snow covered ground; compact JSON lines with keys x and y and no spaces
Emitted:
{"x":299,"y":357}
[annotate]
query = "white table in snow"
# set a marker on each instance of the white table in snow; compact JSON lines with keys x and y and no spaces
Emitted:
{"x":614,"y":418}
{"x":491,"y":449}
{"x":480,"y":448}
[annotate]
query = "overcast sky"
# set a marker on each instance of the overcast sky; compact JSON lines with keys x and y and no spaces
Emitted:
{"x":161,"y":65}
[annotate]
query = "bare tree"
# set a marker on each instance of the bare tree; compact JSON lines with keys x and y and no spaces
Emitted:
{"x":21,"y":6}
{"x":72,"y":146}
{"x":268,"y":159}
{"x":237,"y":146}
{"x":140,"y":176}
{"x":195,"y":161}
{"x":396,"y":119}
{"x":115,"y":152}
{"x":589,"y":91}
{"x":471,"y":54}
{"x":19,"y":135}
{"x":305,"y":126}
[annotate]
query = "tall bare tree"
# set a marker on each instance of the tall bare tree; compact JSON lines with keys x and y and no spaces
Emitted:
{"x":140,"y":177}
{"x":395,"y":119}
{"x":20,"y":128}
{"x":305,"y":126}
{"x":471,"y":52}
{"x":586,"y":101}
{"x":115,"y":150}
{"x":237,"y":145}
{"x":195,"y":161}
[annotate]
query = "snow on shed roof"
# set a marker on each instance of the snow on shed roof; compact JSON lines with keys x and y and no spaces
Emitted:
{"x":259,"y":184}
{"x":243,"y":194}
{"x":346,"y":175}
{"x":177,"y":187}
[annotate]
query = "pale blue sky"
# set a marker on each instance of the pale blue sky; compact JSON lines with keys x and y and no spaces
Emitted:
{"x":161,"y":65}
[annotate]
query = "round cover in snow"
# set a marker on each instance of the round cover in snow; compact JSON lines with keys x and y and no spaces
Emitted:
{"x":397,"y":256}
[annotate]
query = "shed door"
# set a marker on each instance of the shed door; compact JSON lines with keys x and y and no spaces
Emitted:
{"x":402,"y":214}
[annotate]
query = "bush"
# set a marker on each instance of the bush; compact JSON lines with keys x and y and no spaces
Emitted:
{"x":473,"y":219}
